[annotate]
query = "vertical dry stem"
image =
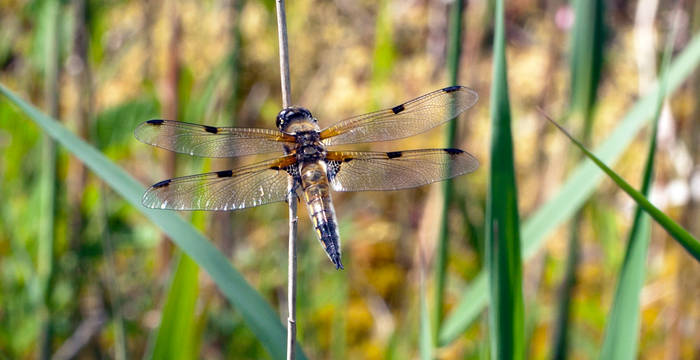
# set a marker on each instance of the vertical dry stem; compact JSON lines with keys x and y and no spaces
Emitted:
{"x":291,"y":272}
{"x":291,"y":197}
{"x":284,"y":53}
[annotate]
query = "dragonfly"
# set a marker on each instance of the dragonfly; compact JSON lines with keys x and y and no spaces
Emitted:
{"x":303,"y":156}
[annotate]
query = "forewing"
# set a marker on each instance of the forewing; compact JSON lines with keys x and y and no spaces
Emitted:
{"x":371,"y":171}
{"x":245,"y":187}
{"x":408,"y":119}
{"x":210,"y":141}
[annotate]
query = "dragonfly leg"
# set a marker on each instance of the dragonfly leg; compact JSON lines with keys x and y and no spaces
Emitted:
{"x":294,"y":191}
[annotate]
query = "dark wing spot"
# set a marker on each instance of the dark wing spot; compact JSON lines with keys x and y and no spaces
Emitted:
{"x":453,"y":151}
{"x":451,"y":89}
{"x":348,"y":159}
{"x":394,"y":154}
{"x":161,"y":184}
{"x":398,"y":109}
{"x":225,"y":173}
{"x":274,"y":167}
{"x":155,"y":122}
{"x":211,"y":129}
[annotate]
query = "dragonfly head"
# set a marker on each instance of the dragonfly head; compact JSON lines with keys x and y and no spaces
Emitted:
{"x":296,"y":119}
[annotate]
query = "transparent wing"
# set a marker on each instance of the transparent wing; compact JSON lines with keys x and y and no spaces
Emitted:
{"x":373,"y":171}
{"x":408,"y":119}
{"x":210,"y":141}
{"x":245,"y":187}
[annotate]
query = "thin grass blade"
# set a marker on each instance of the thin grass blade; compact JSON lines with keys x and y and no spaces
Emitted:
{"x":683,"y":237}
{"x":440,"y":272}
{"x":586,"y":61}
{"x":49,"y":180}
{"x":622,"y":329}
{"x":256,"y":312}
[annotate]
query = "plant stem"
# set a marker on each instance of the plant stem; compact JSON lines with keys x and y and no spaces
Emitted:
{"x":292,"y":272}
{"x":284,"y":54}
{"x":453,"y":56}
{"x":45,"y":260}
{"x":291,"y":193}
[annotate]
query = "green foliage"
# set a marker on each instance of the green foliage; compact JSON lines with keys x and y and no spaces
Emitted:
{"x":586,"y":57}
{"x":453,"y":55}
{"x":586,"y":60}
{"x":622,"y":328}
{"x":676,"y":231}
{"x":256,"y":312}
{"x":377,"y":308}
{"x":577,"y":188}
{"x":115,"y":126}
{"x":506,"y":309}
{"x":384,"y":52}
{"x":176,"y":338}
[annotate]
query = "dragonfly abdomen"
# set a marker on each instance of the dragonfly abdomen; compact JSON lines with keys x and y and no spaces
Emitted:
{"x":320,"y":206}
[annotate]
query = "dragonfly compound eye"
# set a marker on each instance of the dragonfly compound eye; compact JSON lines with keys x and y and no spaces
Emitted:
{"x":290,"y":115}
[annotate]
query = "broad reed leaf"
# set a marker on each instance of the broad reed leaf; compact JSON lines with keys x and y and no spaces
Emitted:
{"x":676,"y":231}
{"x":175,"y":338}
{"x":576,"y":189}
{"x":256,"y":312}
{"x":622,"y":328}
{"x":503,"y":260}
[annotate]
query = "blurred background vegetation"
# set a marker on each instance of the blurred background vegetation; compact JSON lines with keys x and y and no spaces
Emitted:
{"x":84,"y":275}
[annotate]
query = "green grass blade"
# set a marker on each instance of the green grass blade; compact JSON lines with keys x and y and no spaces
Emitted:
{"x":503,"y":259}
{"x":440,"y":272}
{"x":622,"y":328}
{"x":578,"y":187}
{"x":49,"y":180}
{"x":384,"y":55}
{"x":175,"y":334}
{"x":586,"y":61}
{"x":257,"y":313}
{"x":466,"y":311}
{"x":586,"y":57}
{"x":586,"y":177}
{"x":682,"y":236}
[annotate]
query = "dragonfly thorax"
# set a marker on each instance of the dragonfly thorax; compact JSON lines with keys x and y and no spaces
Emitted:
{"x":309,"y":147}
{"x":310,"y":152}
